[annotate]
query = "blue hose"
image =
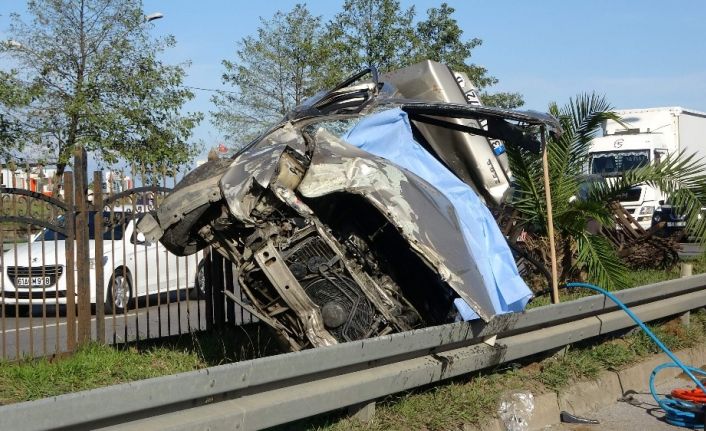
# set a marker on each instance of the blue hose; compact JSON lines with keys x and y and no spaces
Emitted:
{"x":677,"y":412}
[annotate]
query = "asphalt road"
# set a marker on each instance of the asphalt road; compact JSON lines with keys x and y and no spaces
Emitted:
{"x":36,"y":335}
{"x":690,"y":250}
{"x":640,"y":413}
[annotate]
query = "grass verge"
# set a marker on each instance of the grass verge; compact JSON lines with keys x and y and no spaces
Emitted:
{"x":636,"y":278}
{"x":90,"y":367}
{"x":94,"y":365}
{"x":474,"y":399}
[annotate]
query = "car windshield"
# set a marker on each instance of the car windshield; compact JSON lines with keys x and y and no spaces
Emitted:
{"x":114,"y":224}
{"x":614,"y":163}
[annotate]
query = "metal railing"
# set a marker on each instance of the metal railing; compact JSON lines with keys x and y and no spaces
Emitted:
{"x":274,"y":390}
{"x":75,"y":269}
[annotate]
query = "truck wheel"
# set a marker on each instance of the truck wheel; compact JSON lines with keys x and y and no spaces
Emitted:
{"x":119,"y":292}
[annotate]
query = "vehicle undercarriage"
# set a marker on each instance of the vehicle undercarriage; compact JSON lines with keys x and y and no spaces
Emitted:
{"x":334,"y":244}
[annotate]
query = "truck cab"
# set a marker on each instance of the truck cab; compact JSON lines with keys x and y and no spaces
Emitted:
{"x":642,"y":137}
{"x":611,"y":155}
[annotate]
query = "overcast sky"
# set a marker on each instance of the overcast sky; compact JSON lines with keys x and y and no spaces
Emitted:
{"x":638,"y":53}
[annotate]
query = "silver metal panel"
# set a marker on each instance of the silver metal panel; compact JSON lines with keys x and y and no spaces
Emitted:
{"x":470,"y":157}
{"x":252,"y":171}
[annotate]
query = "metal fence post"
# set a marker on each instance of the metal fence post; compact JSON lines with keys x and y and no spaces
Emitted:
{"x":215,"y":309}
{"x":3,"y":312}
{"x":208,"y":288}
{"x":229,"y":285}
{"x":70,"y":262}
{"x":82,"y":255}
{"x":98,"y":234}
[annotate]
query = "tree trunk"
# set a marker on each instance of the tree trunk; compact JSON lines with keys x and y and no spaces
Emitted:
{"x":57,"y":179}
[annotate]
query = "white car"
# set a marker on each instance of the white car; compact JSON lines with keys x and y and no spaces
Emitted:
{"x":132,"y":267}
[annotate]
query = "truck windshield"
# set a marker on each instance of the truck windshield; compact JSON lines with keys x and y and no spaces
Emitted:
{"x":614,"y":163}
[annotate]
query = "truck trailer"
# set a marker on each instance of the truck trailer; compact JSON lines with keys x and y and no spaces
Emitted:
{"x":646,"y":136}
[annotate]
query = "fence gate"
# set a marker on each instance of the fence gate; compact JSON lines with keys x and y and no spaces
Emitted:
{"x":37,"y":283}
{"x":74,"y":268}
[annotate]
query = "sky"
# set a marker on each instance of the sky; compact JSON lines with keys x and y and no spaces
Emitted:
{"x":638,"y":53}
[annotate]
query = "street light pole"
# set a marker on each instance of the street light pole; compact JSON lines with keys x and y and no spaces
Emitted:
{"x":153,"y":16}
{"x":13,"y":44}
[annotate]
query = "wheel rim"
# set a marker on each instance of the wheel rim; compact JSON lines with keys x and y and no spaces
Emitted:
{"x":121,"y":292}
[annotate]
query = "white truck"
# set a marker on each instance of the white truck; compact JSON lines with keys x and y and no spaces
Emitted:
{"x":646,"y":136}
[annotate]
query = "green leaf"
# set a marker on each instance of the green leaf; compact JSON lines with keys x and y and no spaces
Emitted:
{"x":92,"y":76}
{"x":597,"y":255}
{"x":294,"y":54}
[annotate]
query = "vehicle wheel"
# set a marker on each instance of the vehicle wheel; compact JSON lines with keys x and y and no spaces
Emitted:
{"x":119,"y":292}
{"x":181,"y":238}
{"x":199,"y":290}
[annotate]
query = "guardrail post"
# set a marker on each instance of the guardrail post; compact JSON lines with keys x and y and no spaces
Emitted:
{"x":685,"y":270}
{"x":363,"y":412}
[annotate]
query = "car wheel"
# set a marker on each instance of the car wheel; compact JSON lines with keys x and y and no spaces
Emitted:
{"x":119,"y":292}
{"x":199,"y":290}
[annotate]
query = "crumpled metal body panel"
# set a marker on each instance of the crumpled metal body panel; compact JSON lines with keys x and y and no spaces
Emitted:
{"x":258,"y":166}
{"x":257,"y":197}
{"x":470,"y":157}
{"x":423,"y":216}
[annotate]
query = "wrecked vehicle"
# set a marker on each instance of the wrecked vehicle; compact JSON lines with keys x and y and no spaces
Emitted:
{"x":363,"y":212}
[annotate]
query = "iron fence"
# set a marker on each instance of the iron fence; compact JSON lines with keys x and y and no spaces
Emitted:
{"x":75,"y":268}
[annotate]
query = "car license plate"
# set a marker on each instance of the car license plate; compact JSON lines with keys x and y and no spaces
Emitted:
{"x":676,"y":223}
{"x":33,"y":281}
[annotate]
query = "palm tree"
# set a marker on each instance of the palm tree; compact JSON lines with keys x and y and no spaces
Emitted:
{"x":582,"y":251}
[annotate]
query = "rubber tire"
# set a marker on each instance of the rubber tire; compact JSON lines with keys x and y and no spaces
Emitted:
{"x":182,"y":238}
{"x":199,"y":290}
{"x":110,"y":306}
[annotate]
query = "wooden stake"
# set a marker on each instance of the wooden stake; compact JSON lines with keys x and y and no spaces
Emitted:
{"x":550,"y":220}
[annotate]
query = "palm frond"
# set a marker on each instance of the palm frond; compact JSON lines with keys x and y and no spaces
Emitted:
{"x":528,"y":199}
{"x":580,"y":120}
{"x":576,"y":217}
{"x":584,"y":115}
{"x":600,"y":261}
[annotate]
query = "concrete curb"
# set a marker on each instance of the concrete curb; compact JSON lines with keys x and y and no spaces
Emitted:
{"x":601,"y":392}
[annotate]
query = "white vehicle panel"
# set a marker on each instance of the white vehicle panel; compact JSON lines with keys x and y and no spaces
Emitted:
{"x":152,"y":268}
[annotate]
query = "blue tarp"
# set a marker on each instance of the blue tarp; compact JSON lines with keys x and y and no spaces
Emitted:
{"x":388,"y":134}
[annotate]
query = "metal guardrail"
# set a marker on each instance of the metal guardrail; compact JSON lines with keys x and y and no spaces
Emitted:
{"x":269,"y":391}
